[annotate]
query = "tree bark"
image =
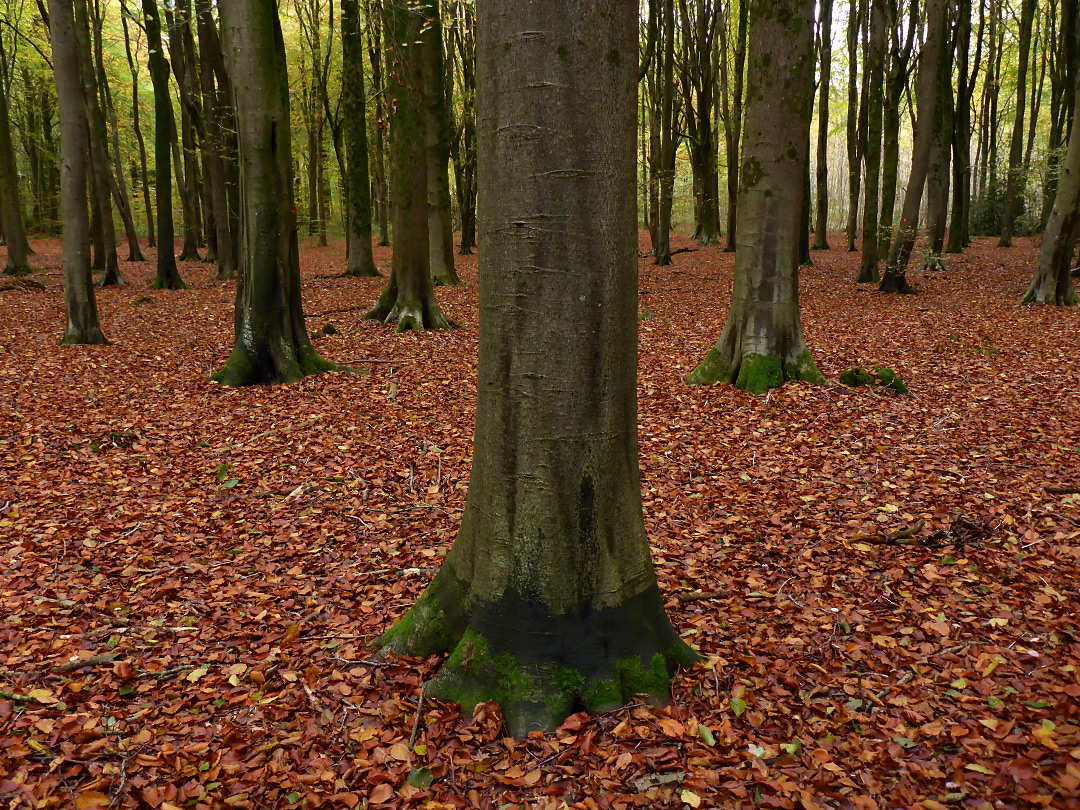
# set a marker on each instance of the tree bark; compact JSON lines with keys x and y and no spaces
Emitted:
{"x":80,"y":305}
{"x":733,"y":126}
{"x":961,"y":133}
{"x":668,"y":141}
{"x":875,"y":57}
{"x":895,"y":82}
{"x":821,"y":236}
{"x":895,"y":278}
{"x":465,"y":140}
{"x":11,"y":209}
{"x":144,"y":176}
{"x":409,"y":298}
{"x":437,"y":155}
{"x":1052,"y":282}
{"x":271,"y":344}
{"x":382,"y":188}
{"x":361,"y":261}
{"x":762,"y":344}
{"x":184,"y":147}
{"x":1015,"y":184}
{"x":101,"y":177}
{"x":854,"y":141}
{"x":938,"y":177}
{"x":548,"y":602}
{"x":168,"y":277}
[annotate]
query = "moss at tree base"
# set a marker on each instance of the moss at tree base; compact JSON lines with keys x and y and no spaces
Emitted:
{"x":242,"y":370}
{"x":713,"y":369}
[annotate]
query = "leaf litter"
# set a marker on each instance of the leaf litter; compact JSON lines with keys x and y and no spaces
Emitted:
{"x":882,"y":587}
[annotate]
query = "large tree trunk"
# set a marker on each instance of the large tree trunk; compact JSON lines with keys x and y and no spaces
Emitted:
{"x":875,"y":57}
{"x":11,"y":210}
{"x":409,"y":297}
{"x":895,"y":278}
{"x":762,"y":344}
{"x":79,"y":303}
{"x":168,"y":277}
{"x":938,"y":176}
{"x":548,"y":599}
{"x":99,"y":156}
{"x":1014,"y":186}
{"x":1052,"y":283}
{"x":361,"y":262}
{"x":821,"y":236}
{"x":271,"y":344}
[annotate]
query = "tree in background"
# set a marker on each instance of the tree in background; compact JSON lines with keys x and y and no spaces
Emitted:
{"x":79,"y":302}
{"x":272,"y":344}
{"x":168,"y":277}
{"x":821,"y":236}
{"x":361,"y":262}
{"x":409,"y":297}
{"x":548,"y":602}
{"x":762,"y":344}
{"x":875,"y":58}
{"x":11,"y":208}
{"x":1014,"y":187}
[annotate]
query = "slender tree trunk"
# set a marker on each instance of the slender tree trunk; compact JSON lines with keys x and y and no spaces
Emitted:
{"x":821,"y":236}
{"x":168,"y":277}
{"x":937,"y":181}
{"x":409,"y":298}
{"x":79,"y":303}
{"x":547,"y":601}
{"x":875,"y":58}
{"x":183,"y":143}
{"x":895,"y":278}
{"x":961,"y":132}
{"x":375,"y":53}
{"x":437,"y":129}
{"x":145,"y":181}
{"x":465,"y":143}
{"x":667,"y":136}
{"x":11,"y":209}
{"x":1015,"y":183}
{"x":272,"y":344}
{"x":733,"y":121}
{"x":762,"y":344}
{"x":361,"y":262}
{"x":854,"y":142}
{"x":895,"y":82}
{"x":1052,"y":282}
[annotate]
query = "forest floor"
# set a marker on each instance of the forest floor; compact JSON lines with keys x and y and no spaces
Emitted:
{"x":884,"y":588}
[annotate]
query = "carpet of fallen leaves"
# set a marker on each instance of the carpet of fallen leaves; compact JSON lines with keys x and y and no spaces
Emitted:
{"x":884,"y":589}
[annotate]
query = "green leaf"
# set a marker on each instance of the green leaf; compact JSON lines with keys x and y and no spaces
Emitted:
{"x":1037,"y":704}
{"x":738,"y":705}
{"x":293,"y":797}
{"x":222,"y":472}
{"x":232,"y":482}
{"x":793,"y":747}
{"x":757,"y":751}
{"x":219,"y":702}
{"x":994,"y":702}
{"x":421,"y":778}
{"x":706,"y":735}
{"x":959,"y":683}
{"x":903,"y":742}
{"x":204,"y":766}
{"x":126,"y":690}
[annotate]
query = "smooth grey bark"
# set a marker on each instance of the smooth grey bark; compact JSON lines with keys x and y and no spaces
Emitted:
{"x":762,"y":344}
{"x":11,"y":208}
{"x":903,"y":241}
{"x":854,"y":139}
{"x":151,"y":241}
{"x":875,"y":58}
{"x":438,"y":133}
{"x":733,"y":118}
{"x":1052,"y":282}
{"x":361,"y":261}
{"x":464,"y":142}
{"x":548,"y":602}
{"x":961,"y":133}
{"x":700,"y":22}
{"x":381,"y":200}
{"x":168,"y":276}
{"x":895,"y":83}
{"x":668,"y":137}
{"x":938,"y":169}
{"x":271,"y":344}
{"x":184,"y":147}
{"x":80,"y":305}
{"x":1014,"y":187}
{"x":821,"y":227}
{"x":409,"y":298}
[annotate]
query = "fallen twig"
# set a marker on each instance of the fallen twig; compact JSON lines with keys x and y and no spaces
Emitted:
{"x":898,"y":537}
{"x":91,"y":661}
{"x":1064,"y":489}
{"x":701,"y":596}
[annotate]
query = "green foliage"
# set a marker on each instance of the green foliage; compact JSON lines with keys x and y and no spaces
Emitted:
{"x":880,"y":376}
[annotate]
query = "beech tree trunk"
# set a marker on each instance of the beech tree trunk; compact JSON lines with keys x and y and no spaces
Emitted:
{"x":895,"y":278}
{"x":99,"y":156}
{"x":895,"y":82}
{"x":1052,"y":283}
{"x":135,"y":125}
{"x":361,"y":262}
{"x":1014,"y":188}
{"x":382,"y":189}
{"x":271,"y":344}
{"x":184,"y":146}
{"x":961,"y":134}
{"x":875,"y":57}
{"x":668,"y":139}
{"x":168,"y":277}
{"x":548,"y":602}
{"x":80,"y":305}
{"x":854,"y":141}
{"x":464,"y":143}
{"x":762,"y":344}
{"x":409,"y":297}
{"x":438,"y":134}
{"x":733,"y":120}
{"x":821,"y":236}
{"x":11,"y":209}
